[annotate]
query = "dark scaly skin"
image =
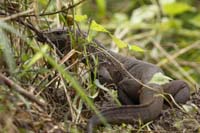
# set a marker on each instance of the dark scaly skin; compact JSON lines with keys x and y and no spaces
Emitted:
{"x":130,"y":92}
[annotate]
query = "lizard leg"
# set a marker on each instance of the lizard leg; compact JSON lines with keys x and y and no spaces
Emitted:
{"x":178,"y":89}
{"x":147,"y":94}
{"x":128,"y":91}
{"x":149,"y":110}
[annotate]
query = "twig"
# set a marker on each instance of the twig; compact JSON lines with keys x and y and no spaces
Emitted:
{"x":13,"y":86}
{"x":190,"y":63}
{"x":52,"y":13}
{"x":185,"y":74}
{"x":182,"y":51}
{"x":122,"y":69}
{"x":117,"y":63}
{"x":17,"y":15}
{"x":72,"y":110}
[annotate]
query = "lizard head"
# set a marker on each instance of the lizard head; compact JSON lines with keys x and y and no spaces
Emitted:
{"x":59,"y":37}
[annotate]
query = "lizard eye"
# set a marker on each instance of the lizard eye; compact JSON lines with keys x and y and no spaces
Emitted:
{"x":59,"y":33}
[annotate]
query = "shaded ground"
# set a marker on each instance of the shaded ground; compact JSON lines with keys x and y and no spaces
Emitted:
{"x":184,"y":118}
{"x":16,"y":117}
{"x":180,"y":120}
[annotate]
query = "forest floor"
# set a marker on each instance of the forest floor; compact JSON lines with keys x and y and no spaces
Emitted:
{"x":17,"y":118}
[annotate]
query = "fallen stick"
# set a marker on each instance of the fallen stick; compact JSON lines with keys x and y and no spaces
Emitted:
{"x":13,"y":86}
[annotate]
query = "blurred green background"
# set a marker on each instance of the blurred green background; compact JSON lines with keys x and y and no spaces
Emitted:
{"x":168,"y":31}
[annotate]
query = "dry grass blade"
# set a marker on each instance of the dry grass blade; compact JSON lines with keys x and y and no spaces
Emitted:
{"x":172,"y":60}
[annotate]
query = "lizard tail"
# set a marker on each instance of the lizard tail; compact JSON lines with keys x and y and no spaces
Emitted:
{"x":128,"y":114}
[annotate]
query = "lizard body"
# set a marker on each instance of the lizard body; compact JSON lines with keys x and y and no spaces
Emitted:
{"x":130,"y":92}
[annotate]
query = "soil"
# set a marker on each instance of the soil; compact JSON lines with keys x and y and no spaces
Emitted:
{"x":57,"y":118}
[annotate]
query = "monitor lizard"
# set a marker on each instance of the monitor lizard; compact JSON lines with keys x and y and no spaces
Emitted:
{"x":130,"y":91}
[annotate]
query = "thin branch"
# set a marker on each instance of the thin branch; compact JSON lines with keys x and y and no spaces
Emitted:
{"x":180,"y":52}
{"x":17,"y":15}
{"x":52,"y":13}
{"x":13,"y":86}
{"x":183,"y":72}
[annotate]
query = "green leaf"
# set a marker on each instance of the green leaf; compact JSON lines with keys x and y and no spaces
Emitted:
{"x":144,"y":13}
{"x":97,"y":27}
{"x":180,"y":124}
{"x":190,"y":109}
{"x":119,"y":43}
{"x":98,"y":84}
{"x":170,"y":25}
{"x":80,"y":18}
{"x":163,"y":2}
{"x":160,"y":78}
{"x":195,"y":20}
{"x":6,"y":51}
{"x":37,"y":56}
{"x":101,"y":7}
{"x":42,"y":2}
{"x":25,"y":57}
{"x":112,"y":93}
{"x":135,"y":48}
{"x":176,"y":8}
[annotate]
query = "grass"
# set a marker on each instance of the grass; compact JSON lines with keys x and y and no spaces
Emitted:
{"x":66,"y":89}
